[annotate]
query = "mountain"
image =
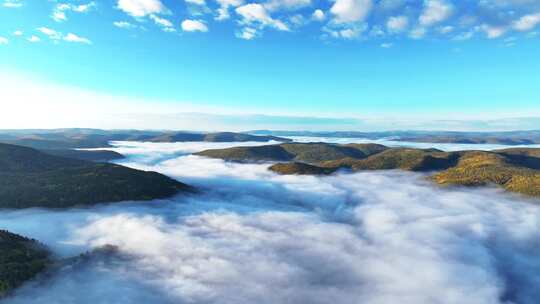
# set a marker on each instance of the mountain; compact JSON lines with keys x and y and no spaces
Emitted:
{"x":30,"y":178}
{"x":516,"y":170}
{"x":502,"y":138}
{"x":94,"y":138}
{"x":214,"y":137}
{"x":21,"y":259}
{"x":88,"y":155}
{"x":299,"y":152}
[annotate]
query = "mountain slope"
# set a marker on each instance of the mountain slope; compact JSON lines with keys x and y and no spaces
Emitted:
{"x":21,"y":259}
{"x":311,"y":153}
{"x":516,"y":170}
{"x":29,"y":178}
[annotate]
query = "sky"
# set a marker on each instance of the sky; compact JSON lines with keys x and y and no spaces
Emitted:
{"x":281,"y":64}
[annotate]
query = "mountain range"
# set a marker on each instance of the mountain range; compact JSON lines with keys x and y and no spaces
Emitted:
{"x":516,"y":169}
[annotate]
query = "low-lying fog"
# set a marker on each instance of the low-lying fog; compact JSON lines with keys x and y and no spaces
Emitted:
{"x":255,"y":237}
{"x":395,"y":143}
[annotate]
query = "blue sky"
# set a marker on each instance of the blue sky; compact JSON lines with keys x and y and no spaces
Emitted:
{"x":361,"y":59}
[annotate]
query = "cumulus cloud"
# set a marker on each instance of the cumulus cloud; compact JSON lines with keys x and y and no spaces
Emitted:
{"x":253,"y":236}
{"x":275,"y":5}
{"x":165,"y":24}
{"x":141,"y":8}
{"x":52,"y":34}
{"x":56,"y":36}
{"x":194,"y":26}
{"x":70,"y":37}
{"x":4,"y":40}
{"x":351,"y":10}
{"x":60,"y":10}
{"x":527,"y":22}
{"x":435,"y":11}
{"x":247,"y":33}
{"x":17,"y":33}
{"x":33,"y":38}
{"x":493,"y":32}
{"x":397,"y":24}
{"x":223,"y":11}
{"x":318,"y":15}
{"x":257,"y":13}
{"x":417,"y":33}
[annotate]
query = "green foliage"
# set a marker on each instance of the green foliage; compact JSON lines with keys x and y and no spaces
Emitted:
{"x":516,"y":170}
{"x":29,"y":178}
{"x":299,"y":169}
{"x":21,"y":259}
{"x":311,"y":153}
{"x":88,"y":155}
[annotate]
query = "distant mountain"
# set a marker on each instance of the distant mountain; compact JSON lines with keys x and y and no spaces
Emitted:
{"x":93,"y":138}
{"x":516,"y":170}
{"x":503,"y":138}
{"x":30,"y":178}
{"x":299,"y":152}
{"x":21,"y":259}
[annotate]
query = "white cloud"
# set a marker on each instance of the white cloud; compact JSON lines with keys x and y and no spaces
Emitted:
{"x":34,"y":39}
{"x":446,"y":29}
{"x":123,"y":24}
{"x":464,"y":36}
{"x":196,"y":2}
{"x":351,"y":10}
{"x":527,"y":22}
{"x":387,"y":45}
{"x":141,"y":8}
{"x":318,"y":15}
{"x":223,"y":11}
{"x":59,"y":12}
{"x":194,"y":26}
{"x":348,"y":32}
{"x":417,"y":33}
{"x":83,"y":8}
{"x":70,"y":37}
{"x":493,"y":32}
{"x":12,"y":3}
{"x":52,"y":34}
{"x":3,"y":40}
{"x":59,"y":16}
{"x":255,"y":12}
{"x":165,"y":23}
{"x":17,"y":33}
{"x":397,"y":24}
{"x":275,"y":5}
{"x":247,"y":33}
{"x":435,"y":11}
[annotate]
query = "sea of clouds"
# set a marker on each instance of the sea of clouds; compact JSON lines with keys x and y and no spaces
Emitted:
{"x":255,"y":237}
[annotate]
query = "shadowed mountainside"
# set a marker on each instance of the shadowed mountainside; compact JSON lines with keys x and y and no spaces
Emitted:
{"x":30,"y":178}
{"x":21,"y":259}
{"x":93,"y":155}
{"x":516,"y":170}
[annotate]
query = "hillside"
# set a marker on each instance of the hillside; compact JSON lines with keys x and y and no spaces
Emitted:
{"x":300,"y":169}
{"x":88,"y":155}
{"x":516,"y":170}
{"x":298,"y":152}
{"x":30,"y":178}
{"x":21,"y":259}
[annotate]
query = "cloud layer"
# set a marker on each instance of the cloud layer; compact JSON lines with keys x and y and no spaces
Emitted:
{"x":377,"y":237}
